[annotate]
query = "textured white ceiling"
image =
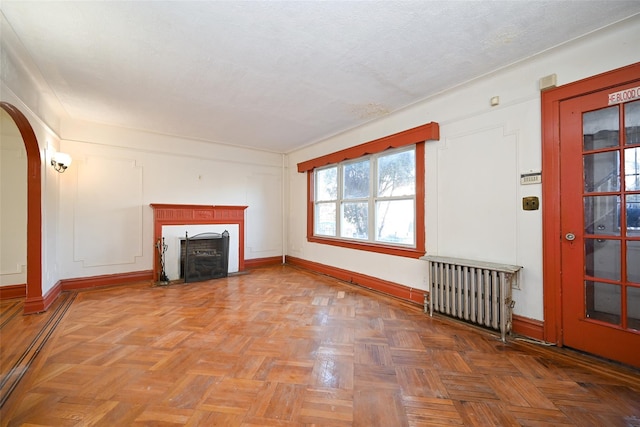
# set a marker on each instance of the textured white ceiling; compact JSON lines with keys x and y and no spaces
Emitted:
{"x":277,"y":75}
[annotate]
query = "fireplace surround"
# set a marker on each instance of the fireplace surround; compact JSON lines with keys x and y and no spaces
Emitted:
{"x":175,"y":214}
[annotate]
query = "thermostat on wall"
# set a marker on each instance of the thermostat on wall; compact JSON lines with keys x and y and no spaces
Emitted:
{"x":531,"y":178}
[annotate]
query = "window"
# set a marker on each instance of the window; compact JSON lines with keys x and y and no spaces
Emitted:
{"x":371,"y":196}
{"x":370,"y":199}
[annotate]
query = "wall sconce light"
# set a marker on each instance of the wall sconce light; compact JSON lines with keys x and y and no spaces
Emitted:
{"x":60,"y":161}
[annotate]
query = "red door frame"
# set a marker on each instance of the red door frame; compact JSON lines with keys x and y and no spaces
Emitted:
{"x":551,"y":227}
{"x":34,"y":302}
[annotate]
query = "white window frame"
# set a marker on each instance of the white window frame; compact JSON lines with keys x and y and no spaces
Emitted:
{"x":372,"y":200}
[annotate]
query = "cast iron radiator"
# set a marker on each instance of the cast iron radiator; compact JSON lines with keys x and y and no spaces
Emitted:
{"x":474,"y":291}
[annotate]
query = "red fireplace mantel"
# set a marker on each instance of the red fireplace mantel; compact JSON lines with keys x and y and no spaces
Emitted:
{"x":196,"y":214}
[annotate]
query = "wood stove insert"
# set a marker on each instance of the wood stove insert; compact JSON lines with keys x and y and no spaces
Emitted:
{"x":204,"y":256}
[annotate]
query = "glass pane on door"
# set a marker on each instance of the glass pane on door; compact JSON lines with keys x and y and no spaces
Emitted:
{"x":633,"y":261}
{"x":633,"y":308}
{"x":603,"y":301}
{"x":633,"y":217}
{"x":602,"y":215}
{"x":632,"y":122}
{"x":600,"y":128}
{"x":601,"y":172}
{"x":632,"y":169}
{"x":602,"y":258}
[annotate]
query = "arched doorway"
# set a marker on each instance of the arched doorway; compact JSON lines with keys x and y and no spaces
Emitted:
{"x":34,"y":301}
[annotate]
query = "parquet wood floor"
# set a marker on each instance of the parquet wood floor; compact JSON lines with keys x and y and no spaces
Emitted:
{"x":281,"y":346}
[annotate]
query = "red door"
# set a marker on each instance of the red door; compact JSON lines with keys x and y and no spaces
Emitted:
{"x":600,"y":222}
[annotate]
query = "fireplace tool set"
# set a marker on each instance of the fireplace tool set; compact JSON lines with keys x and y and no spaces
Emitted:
{"x":163,"y":280}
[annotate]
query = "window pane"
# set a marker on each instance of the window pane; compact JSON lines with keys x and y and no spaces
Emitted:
{"x":601,"y":172}
{"x":633,"y":266}
{"x":632,"y":122}
{"x":632,"y":168}
{"x":326,"y":184}
{"x":633,"y":216}
{"x":633,"y":308}
{"x":395,"y":221}
{"x":325,"y":217}
{"x":354,"y":222}
{"x":602,"y":258}
{"x":356,"y":180}
{"x":397,"y":174}
{"x":602,"y":301}
{"x":600,"y":128}
{"x":602,"y":215}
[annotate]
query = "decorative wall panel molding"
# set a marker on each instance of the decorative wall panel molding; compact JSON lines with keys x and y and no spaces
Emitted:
{"x":107,"y":227}
{"x":264,"y":195}
{"x":478,"y":220}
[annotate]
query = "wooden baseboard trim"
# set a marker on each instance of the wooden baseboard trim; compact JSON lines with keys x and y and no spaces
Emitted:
{"x":262,"y":262}
{"x":41,"y":304}
{"x":13,"y":291}
{"x":105,"y":280}
{"x":525,"y":326}
{"x":390,"y":288}
{"x":531,"y":328}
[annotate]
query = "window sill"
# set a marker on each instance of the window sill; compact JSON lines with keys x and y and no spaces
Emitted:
{"x":370,"y":247}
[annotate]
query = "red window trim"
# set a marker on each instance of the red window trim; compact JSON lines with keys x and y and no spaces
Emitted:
{"x":427,"y":132}
{"x":417,"y":136}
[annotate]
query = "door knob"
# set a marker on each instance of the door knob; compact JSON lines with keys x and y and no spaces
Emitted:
{"x":570,"y":237}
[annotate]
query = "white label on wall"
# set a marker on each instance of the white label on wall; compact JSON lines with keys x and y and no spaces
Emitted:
{"x":531,"y":178}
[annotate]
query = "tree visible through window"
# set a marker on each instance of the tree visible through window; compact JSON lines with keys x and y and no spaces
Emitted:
{"x":370,"y":199}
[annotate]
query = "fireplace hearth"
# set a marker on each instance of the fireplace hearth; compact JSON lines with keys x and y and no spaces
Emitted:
{"x":204,"y":256}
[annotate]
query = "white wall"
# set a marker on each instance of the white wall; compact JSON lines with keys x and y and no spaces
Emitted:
{"x":105,"y":219}
{"x":473,"y":193}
